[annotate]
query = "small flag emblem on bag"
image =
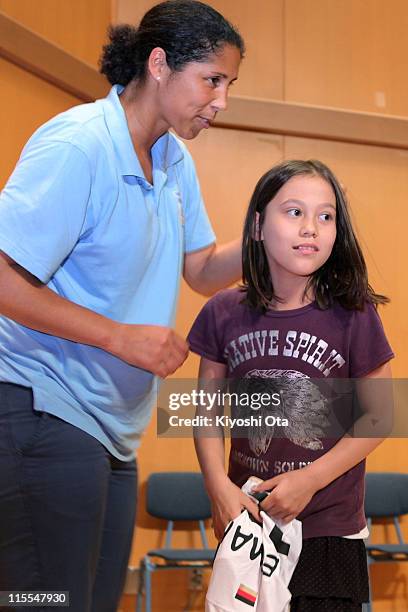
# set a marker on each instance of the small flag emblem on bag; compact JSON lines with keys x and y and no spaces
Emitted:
{"x":246,"y":595}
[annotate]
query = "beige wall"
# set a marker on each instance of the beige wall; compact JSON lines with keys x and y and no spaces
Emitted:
{"x":78,"y":26}
{"x":342,"y":53}
{"x":260,"y":23}
{"x":347,"y":53}
{"x":27,"y":102}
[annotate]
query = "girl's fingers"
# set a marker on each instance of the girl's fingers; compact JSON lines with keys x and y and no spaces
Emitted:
{"x":288,"y":518}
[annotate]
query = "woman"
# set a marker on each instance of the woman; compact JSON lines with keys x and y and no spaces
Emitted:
{"x":100,"y":217}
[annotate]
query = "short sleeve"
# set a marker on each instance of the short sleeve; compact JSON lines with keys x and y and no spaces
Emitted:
{"x":205,"y":337}
{"x":198,"y":231}
{"x":369,"y":347}
{"x":43,"y":206}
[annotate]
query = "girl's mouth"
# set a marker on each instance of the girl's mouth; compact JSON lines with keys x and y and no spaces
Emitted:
{"x":306,"y":248}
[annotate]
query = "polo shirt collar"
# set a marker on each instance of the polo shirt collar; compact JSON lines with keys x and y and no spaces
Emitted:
{"x":166,"y":151}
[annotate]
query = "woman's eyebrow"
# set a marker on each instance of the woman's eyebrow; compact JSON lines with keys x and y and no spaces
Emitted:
{"x":223,"y":76}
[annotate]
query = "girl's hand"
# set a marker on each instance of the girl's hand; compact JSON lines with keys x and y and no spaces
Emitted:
{"x":290,"y":494}
{"x":227,"y":503}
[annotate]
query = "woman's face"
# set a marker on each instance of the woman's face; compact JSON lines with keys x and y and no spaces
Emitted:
{"x":191,"y":98}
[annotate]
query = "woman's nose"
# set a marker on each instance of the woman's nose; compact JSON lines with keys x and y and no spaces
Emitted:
{"x":221,"y":101}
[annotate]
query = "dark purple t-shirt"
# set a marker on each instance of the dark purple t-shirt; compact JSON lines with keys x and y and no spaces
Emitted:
{"x":302,"y":349}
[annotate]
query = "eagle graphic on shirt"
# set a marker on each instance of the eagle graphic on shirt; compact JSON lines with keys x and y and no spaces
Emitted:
{"x":302,"y":403}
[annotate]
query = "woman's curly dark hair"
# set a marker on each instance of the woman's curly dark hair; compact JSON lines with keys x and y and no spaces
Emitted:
{"x":187,"y":30}
{"x":342,"y":278}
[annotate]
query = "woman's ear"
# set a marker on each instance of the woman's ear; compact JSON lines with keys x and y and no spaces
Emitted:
{"x":258,"y":234}
{"x":157,"y":63}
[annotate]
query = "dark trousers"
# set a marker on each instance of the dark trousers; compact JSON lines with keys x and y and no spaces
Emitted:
{"x":67,"y":508}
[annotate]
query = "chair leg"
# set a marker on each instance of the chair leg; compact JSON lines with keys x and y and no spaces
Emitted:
{"x":139,"y":598}
{"x":368,"y":607}
{"x":148,"y":588}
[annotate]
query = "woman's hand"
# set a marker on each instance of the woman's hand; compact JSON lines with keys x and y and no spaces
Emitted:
{"x":26,"y":300}
{"x":227,"y":503}
{"x":154,"y":348}
{"x":290,"y":494}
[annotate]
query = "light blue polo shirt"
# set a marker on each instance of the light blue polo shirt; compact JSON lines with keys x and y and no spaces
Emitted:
{"x":79,"y":215}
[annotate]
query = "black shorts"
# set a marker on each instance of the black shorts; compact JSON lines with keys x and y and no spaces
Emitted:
{"x":331,"y":575}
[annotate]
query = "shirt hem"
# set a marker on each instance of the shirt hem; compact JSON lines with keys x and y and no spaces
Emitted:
{"x":24,"y":259}
{"x":380,"y":361}
{"x":337,"y":533}
{"x":202,"y":353}
{"x":193,"y":249}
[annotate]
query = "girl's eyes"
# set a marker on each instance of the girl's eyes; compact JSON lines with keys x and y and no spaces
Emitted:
{"x":296,"y":212}
{"x":326,"y":217}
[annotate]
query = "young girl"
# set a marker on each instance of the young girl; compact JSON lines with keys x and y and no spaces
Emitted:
{"x":305,"y":313}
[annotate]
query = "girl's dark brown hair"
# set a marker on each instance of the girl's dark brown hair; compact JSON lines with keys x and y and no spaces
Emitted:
{"x":342,"y":278}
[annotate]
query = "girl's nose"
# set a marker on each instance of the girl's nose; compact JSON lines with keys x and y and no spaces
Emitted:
{"x":308,"y":229}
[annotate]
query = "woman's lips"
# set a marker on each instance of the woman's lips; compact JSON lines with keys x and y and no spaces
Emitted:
{"x":204,"y":121}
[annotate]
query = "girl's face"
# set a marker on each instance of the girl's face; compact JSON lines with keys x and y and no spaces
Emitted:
{"x":299,"y":228}
{"x":190,"y":99}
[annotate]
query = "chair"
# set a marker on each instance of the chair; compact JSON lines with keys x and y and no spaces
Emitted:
{"x":175,"y":496}
{"x":386,"y":496}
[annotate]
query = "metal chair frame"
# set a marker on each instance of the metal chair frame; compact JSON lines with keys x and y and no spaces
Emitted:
{"x":386,"y":497}
{"x":181,"y":484}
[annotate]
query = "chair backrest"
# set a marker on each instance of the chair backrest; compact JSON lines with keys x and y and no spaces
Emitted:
{"x":386,"y":494}
{"x":177,"y":496}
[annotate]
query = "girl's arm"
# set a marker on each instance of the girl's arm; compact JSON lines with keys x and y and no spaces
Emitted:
{"x":293,"y":491}
{"x":227,"y":500}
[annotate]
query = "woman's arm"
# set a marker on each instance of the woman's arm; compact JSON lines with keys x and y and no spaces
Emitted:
{"x":213,"y":268}
{"x":227,"y":500}
{"x":293,"y":491}
{"x":26,"y":300}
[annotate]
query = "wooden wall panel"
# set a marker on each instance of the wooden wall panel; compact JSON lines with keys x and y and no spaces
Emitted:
{"x":347,"y":53}
{"x":77,"y":26}
{"x":129,"y":11}
{"x":27,"y":102}
{"x":261,"y":25}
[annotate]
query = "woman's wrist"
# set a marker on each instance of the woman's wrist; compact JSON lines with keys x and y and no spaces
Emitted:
{"x":111,"y":339}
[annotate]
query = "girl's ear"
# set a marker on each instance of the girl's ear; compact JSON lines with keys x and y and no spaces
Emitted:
{"x":258,"y":231}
